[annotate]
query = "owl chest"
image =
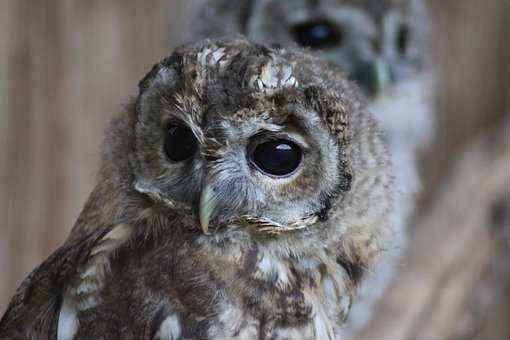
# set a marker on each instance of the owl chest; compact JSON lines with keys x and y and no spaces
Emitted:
{"x":276,"y":301}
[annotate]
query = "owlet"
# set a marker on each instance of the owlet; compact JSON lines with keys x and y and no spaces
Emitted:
{"x":242,"y":195}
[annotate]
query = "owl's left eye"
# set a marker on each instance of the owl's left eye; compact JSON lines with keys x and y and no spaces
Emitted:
{"x":180,"y":143}
{"x":277,"y":157}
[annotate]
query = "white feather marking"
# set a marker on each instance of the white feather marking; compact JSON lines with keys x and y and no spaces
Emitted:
{"x":170,"y":329}
{"x":269,"y":266}
{"x":87,"y":287}
{"x":269,"y":75}
{"x":288,"y":80}
{"x":202,"y":56}
{"x":212,"y":57}
{"x":88,"y":302}
{"x":330,"y":290}
{"x":120,"y":233}
{"x":92,"y":271}
{"x":234,"y":324}
{"x":218,"y":55}
{"x":273,"y":76}
{"x":87,"y":291}
{"x":260,"y":85}
{"x":265,"y":264}
{"x":286,"y":73}
{"x":323,"y":328}
{"x":166,"y":76}
{"x":67,"y":321}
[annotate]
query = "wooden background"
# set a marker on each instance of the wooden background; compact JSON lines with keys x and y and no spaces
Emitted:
{"x":66,"y":66}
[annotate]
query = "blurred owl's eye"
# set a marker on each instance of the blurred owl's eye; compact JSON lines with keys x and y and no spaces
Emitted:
{"x":317,"y":34}
{"x":277,"y":157}
{"x":180,"y":143}
{"x":402,"y":39}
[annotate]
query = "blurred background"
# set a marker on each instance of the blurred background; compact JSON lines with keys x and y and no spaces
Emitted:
{"x":67,"y":66}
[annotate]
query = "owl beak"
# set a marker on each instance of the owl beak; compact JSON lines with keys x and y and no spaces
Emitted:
{"x":373,"y":77}
{"x":206,"y":207}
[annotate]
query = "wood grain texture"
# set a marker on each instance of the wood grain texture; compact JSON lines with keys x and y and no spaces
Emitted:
{"x":470,"y":50}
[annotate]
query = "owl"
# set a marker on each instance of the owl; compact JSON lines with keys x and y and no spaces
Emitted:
{"x":244,"y":193}
{"x":381,"y":45}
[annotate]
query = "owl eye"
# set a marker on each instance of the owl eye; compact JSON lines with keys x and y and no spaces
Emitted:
{"x":402,"y":39}
{"x":180,"y":143}
{"x":277,"y":157}
{"x":317,"y":34}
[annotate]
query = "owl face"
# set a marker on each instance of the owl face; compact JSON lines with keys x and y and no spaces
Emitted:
{"x":236,"y":131}
{"x":378,"y":43}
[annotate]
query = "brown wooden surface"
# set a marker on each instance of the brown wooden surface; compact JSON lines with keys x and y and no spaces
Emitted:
{"x":66,"y":66}
{"x":470,"y":46}
{"x":456,"y":271}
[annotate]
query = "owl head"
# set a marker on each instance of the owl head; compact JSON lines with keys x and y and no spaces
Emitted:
{"x":235,"y":133}
{"x":376,"y":42}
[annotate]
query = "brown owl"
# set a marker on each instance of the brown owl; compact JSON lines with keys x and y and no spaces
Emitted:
{"x":242,"y":195}
{"x":379,"y":44}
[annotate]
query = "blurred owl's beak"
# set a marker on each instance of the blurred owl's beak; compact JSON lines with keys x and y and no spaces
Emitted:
{"x":373,"y":77}
{"x":206,"y":207}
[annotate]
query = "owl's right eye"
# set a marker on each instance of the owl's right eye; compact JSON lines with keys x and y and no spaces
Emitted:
{"x":317,"y":34}
{"x":180,"y":143}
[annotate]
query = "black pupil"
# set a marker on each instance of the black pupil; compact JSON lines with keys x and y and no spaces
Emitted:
{"x":316,"y":34}
{"x":402,"y":38}
{"x":180,"y":143}
{"x":278,"y":157}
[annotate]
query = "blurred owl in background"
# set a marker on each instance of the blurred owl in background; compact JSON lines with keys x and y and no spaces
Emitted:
{"x":380,"y":44}
{"x":242,"y":195}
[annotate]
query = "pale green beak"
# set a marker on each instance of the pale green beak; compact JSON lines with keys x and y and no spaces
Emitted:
{"x":206,"y":208}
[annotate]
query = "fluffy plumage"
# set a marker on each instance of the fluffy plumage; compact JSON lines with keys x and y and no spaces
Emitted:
{"x":380,"y":44}
{"x":283,"y":257}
